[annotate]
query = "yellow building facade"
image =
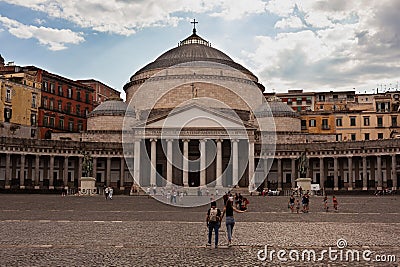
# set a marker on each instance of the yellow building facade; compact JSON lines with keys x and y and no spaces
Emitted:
{"x":20,"y":100}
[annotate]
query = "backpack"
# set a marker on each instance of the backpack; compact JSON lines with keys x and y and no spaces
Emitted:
{"x":213,"y":215}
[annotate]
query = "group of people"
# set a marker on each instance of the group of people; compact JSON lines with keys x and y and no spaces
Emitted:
{"x":108,"y":192}
{"x":215,"y":216}
{"x":294,"y":204}
{"x":334,"y":202}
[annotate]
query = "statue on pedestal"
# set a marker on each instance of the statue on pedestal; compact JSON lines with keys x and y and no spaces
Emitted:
{"x":303,"y":165}
{"x":87,"y":165}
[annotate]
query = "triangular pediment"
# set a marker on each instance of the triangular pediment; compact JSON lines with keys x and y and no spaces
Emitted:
{"x":196,"y":116}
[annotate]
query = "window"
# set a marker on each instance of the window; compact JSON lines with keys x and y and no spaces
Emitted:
{"x":80,"y":126}
{"x":61,"y":124}
{"x":308,"y":100}
{"x":45,"y":102}
{"x":321,"y":107}
{"x":34,"y":98}
{"x":78,"y":95}
{"x":78,"y":110}
{"x":68,"y":108}
{"x":52,"y":88}
{"x":380,"y":121}
{"x":59,"y":105}
{"x":394,"y":121}
{"x":339,"y":122}
{"x":289,"y":101}
{"x":366,"y":136}
{"x":33,"y":119}
{"x":325,"y":125}
{"x":69,"y":92}
{"x":353,"y":137}
{"x":52,"y":120}
{"x":321,"y":98}
{"x":299,"y":109}
{"x":299,"y":101}
{"x":51,"y":104}
{"x":86,"y":112}
{"x":45,"y":86}
{"x":352,"y":121}
{"x":303,"y":124}
{"x":7,"y":114}
{"x":45,"y":120}
{"x":87,"y":97}
{"x":380,"y":135}
{"x":339,"y":137}
{"x":33,"y":133}
{"x":366,"y":121}
{"x":335,"y":97}
{"x":8,"y":95}
{"x":71,"y":126}
{"x":312,"y":123}
{"x":60,"y":90}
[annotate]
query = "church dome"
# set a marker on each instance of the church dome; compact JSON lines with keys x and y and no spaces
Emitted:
{"x":275,"y":108}
{"x":110,"y":107}
{"x":193,"y":48}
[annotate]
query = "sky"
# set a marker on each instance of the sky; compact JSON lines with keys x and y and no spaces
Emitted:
{"x":288,"y":44}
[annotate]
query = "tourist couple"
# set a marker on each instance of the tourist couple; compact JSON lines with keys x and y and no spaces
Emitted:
{"x":214,"y":219}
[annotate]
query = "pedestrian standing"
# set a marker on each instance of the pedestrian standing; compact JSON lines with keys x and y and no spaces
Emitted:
{"x":213,"y":220}
{"x":230,"y":220}
{"x":335,"y":203}
{"x":291,"y":203}
{"x":110,"y":192}
{"x":106,"y":191}
{"x":326,"y":207}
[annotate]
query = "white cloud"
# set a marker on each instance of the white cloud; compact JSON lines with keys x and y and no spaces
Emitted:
{"x":291,"y":22}
{"x":54,"y":39}
{"x":125,"y":17}
{"x":342,"y":44}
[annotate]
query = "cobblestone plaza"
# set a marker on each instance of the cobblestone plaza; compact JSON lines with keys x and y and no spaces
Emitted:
{"x":51,"y":230}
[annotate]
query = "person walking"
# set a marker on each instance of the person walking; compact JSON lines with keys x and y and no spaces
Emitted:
{"x":230,"y":220}
{"x":213,"y":220}
{"x":326,"y":207}
{"x":106,"y":192}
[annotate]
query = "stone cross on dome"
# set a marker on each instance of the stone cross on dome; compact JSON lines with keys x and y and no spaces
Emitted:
{"x":194,"y":22}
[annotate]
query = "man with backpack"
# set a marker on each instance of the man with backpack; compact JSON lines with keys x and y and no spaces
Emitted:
{"x":213,"y":222}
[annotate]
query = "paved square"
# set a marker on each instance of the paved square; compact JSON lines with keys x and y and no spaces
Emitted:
{"x":50,"y":230}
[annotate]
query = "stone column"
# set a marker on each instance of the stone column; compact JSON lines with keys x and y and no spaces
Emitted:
{"x":136,"y":162}
{"x":350,"y":171}
{"x":218,"y":175}
{"x":266,"y":170}
{"x":169,"y":162}
{"x":335,"y":174}
{"x":394,"y":172}
{"x":279,"y":171}
{"x":251,"y":163}
{"x":37,"y":172}
{"x":293,"y":172}
{"x":80,"y":160}
{"x":185,"y":162}
{"x":51,"y":174}
{"x":322,"y":173}
{"x":153,"y":165}
{"x":22,"y":173}
{"x":108,"y":172}
{"x":65,"y":172}
{"x":365,"y":177}
{"x":235,"y":162}
{"x":122,"y":174}
{"x":94,"y":170}
{"x":379,"y":170}
{"x":8,"y":173}
{"x":203,"y":180}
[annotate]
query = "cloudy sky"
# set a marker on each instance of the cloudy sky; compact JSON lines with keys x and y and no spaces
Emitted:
{"x":289,"y":44}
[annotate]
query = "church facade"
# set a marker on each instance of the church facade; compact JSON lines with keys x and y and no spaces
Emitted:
{"x":194,"y":118}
